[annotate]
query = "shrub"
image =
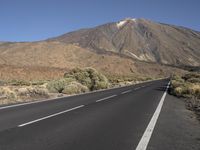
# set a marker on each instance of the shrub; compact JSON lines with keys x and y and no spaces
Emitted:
{"x":33,"y":92}
{"x":40,"y":82}
{"x":20,"y":83}
{"x":57,"y":86}
{"x":10,"y":94}
{"x":175,"y":83}
{"x":194,"y":80}
{"x":178,"y":91}
{"x":191,"y":75}
{"x":195,"y":90}
{"x":177,"y":78}
{"x":75,"y":88}
{"x":187,"y":86}
{"x":88,"y":77}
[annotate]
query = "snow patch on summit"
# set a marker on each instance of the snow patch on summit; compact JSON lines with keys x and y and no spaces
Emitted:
{"x":123,"y":22}
{"x":134,"y":19}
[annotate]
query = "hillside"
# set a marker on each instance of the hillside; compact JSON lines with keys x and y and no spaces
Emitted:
{"x":49,"y":60}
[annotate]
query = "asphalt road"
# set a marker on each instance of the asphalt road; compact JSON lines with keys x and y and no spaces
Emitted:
{"x":114,"y":119}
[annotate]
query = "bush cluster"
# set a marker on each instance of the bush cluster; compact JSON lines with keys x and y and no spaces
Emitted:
{"x":78,"y":81}
{"x":186,"y":86}
{"x":89,"y":77}
{"x":32,"y":92}
{"x":8,"y":93}
{"x":75,"y":88}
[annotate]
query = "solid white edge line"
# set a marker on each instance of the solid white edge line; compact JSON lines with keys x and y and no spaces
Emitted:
{"x":126,"y":92}
{"x":57,"y":98}
{"x":149,"y":130}
{"x":102,"y":99}
{"x":22,"y":104}
{"x":53,"y":115}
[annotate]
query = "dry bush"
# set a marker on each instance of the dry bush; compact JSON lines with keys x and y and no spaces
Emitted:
{"x":194,"y":80}
{"x":8,"y":93}
{"x":19,"y":83}
{"x":186,"y":86}
{"x":88,"y":77}
{"x":195,"y":90}
{"x":191,"y":75}
{"x":33,"y":92}
{"x":57,"y":86}
{"x":75,"y":88}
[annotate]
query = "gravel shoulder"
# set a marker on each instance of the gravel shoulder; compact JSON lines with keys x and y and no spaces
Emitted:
{"x":177,"y":128}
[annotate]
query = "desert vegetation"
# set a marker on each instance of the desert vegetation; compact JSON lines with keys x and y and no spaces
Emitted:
{"x":16,"y":94}
{"x":187,"y":86}
{"x":74,"y":81}
{"x":79,"y":80}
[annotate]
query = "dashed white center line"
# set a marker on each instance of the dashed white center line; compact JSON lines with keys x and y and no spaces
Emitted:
{"x":126,"y":92}
{"x":53,"y":115}
{"x":105,"y":98}
{"x":137,"y":88}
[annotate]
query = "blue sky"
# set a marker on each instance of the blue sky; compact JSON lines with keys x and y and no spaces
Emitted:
{"x":32,"y":20}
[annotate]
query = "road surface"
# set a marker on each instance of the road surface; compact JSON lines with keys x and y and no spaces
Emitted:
{"x":115,"y":119}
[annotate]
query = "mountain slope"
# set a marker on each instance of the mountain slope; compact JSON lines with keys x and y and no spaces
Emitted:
{"x":141,"y":39}
{"x":51,"y":59}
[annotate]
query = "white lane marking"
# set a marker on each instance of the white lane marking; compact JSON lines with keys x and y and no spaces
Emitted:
{"x":126,"y":92}
{"x":50,"y":116}
{"x":15,"y":105}
{"x":105,"y":98}
{"x":40,"y":101}
{"x":137,"y":88}
{"x":149,"y":130}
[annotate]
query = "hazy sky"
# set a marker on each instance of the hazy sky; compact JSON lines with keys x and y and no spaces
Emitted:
{"x":31,"y":20}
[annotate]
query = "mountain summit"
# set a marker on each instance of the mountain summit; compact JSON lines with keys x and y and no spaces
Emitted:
{"x":140,"y":39}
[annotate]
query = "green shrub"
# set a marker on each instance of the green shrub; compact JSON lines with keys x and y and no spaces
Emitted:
{"x":56,"y":86}
{"x":20,"y":83}
{"x":40,"y":82}
{"x":191,"y":75}
{"x":88,"y":77}
{"x":195,"y":90}
{"x":75,"y":88}
{"x":194,"y":80}
{"x":186,"y":86}
{"x":178,"y":91}
{"x":177,"y":78}
{"x":175,"y":83}
{"x":182,"y":90}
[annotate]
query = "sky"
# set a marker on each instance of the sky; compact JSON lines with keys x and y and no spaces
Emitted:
{"x":33,"y":20}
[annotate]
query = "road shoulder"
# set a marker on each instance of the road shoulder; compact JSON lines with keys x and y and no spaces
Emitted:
{"x":177,"y":127}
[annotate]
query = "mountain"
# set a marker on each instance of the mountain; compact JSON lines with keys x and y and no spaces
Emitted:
{"x":135,"y":47}
{"x":142,"y":40}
